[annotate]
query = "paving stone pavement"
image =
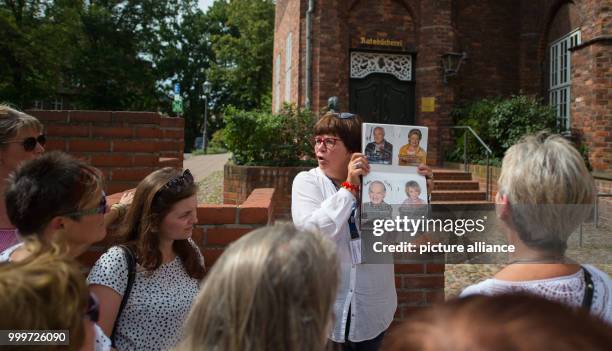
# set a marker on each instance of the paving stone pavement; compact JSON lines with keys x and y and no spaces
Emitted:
{"x":202,"y":166}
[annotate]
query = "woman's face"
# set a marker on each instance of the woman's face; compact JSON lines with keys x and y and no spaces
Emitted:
{"x":413,"y":193}
{"x":89,"y":228}
{"x":178,"y":223}
{"x":333,"y":160}
{"x":414,"y":140}
{"x":13,"y":154}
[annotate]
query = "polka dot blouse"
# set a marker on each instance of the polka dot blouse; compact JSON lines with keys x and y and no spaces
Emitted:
{"x":157,"y":305}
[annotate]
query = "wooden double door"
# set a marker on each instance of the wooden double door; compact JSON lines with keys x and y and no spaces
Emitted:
{"x":382,"y":98}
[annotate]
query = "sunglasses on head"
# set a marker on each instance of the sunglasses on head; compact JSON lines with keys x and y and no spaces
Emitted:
{"x":93,"y":308}
{"x":29,"y":144}
{"x":100,"y":209}
{"x":344,"y":115}
{"x":178,"y":183}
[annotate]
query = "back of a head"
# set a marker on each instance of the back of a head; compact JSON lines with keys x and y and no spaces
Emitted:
{"x":48,"y":186}
{"x":46,"y":292}
{"x":549,"y":189}
{"x":273,"y":289}
{"x":516,"y":322}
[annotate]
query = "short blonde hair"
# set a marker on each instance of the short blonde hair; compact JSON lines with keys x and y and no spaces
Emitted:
{"x":12,"y":121}
{"x":549,"y":189}
{"x":46,"y":292}
{"x":273,"y":289}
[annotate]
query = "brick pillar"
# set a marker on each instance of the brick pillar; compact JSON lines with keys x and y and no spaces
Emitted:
{"x":436,"y":37}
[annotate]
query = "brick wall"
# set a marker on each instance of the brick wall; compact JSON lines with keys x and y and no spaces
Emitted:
{"x":287,"y":20}
{"x":125,"y":146}
{"x":240,"y":181}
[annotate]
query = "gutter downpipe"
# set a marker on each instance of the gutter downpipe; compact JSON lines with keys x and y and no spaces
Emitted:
{"x":307,"y":79}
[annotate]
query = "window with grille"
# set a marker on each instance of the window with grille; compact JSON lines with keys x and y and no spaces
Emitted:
{"x":561,"y":77}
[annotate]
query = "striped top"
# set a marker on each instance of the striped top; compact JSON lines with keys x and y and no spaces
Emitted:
{"x":8,"y":238}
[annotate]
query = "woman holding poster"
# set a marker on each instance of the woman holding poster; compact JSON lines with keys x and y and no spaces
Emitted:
{"x":325,"y":199}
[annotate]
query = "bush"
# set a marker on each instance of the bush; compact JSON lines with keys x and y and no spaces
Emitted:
{"x":265,"y":139}
{"x":500,"y":123}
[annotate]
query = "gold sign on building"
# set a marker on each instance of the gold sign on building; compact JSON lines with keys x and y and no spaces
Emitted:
{"x":381,"y":42}
{"x":428,"y":104}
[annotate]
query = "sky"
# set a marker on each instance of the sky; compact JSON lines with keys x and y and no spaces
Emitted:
{"x":204,"y":4}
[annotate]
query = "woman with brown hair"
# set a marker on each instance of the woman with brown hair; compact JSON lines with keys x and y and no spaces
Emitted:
{"x":148,"y":313}
{"x":49,"y":293}
{"x":325,"y":199}
{"x":511,"y":322}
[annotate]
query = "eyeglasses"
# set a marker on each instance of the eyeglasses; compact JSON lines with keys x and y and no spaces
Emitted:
{"x":344,"y":115}
{"x":93,"y":308}
{"x":100,"y":209}
{"x":329,"y":142}
{"x":29,"y":144}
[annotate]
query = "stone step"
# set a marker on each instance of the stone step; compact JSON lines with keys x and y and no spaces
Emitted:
{"x":451,"y":175}
{"x":458,"y":195}
{"x":455,"y":184}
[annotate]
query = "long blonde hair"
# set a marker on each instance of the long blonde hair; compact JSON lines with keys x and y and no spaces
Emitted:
{"x":273,"y":289}
{"x":44,"y":292}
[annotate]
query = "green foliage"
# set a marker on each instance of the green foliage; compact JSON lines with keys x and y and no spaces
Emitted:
{"x":128,"y":54}
{"x":265,"y":139}
{"x":500,"y":123}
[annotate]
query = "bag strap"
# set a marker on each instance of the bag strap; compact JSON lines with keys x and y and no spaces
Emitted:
{"x":130,"y":258}
{"x":589,"y":288}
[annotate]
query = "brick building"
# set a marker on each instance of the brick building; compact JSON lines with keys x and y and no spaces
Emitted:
{"x":384,"y":60}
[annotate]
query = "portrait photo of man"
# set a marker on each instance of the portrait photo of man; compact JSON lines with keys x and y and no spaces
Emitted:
{"x":380,"y":150}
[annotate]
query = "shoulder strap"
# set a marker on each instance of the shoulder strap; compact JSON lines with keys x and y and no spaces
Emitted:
{"x":589,"y":288}
{"x":130,"y":258}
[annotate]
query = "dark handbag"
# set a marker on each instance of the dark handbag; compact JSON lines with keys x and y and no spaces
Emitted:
{"x":131,"y":262}
{"x":589,"y":288}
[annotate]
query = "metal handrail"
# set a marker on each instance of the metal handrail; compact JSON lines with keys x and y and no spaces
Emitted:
{"x":489,"y":153}
{"x":595,"y":213}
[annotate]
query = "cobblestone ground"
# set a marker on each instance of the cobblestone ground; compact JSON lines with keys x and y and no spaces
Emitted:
{"x":596,"y":250}
{"x":596,"y":245}
{"x":211,"y":189}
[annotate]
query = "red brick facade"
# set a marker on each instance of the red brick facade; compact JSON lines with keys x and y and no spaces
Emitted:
{"x":507,"y":43}
{"x":125,"y":146}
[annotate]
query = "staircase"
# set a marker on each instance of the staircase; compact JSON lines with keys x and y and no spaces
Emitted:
{"x":456,"y":187}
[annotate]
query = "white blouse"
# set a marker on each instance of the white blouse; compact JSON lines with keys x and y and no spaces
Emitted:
{"x":568,"y":290}
{"x":157,"y":305}
{"x":369,"y":289}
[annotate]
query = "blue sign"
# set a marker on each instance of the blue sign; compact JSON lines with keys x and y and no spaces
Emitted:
{"x":177,"y":88}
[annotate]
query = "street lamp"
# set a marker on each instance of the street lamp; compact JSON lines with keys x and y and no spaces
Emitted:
{"x":206,"y":91}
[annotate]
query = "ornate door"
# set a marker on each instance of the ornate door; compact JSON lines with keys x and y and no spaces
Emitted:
{"x":381,"y":88}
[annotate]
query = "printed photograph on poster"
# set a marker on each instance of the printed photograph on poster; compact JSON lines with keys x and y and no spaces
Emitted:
{"x":392,"y":194}
{"x":394,"y":145}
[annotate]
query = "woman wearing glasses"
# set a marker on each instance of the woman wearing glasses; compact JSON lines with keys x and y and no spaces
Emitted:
{"x":325,"y":199}
{"x":21,"y":139}
{"x":148,"y":313}
{"x":58,"y":205}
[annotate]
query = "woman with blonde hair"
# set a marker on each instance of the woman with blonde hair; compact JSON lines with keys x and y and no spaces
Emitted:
{"x":21,"y":139}
{"x":272,"y":290}
{"x":147,"y":286}
{"x":48,"y":292}
{"x":545,"y":192}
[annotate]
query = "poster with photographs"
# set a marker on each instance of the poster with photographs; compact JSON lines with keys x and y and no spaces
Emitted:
{"x":393,"y":187}
{"x":394,"y":145}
